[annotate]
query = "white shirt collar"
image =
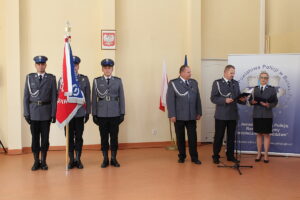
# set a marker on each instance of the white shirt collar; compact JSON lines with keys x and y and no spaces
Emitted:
{"x":225,"y":79}
{"x":263,"y":86}
{"x":43,"y":74}
{"x":106,"y":77}
{"x":183,"y":79}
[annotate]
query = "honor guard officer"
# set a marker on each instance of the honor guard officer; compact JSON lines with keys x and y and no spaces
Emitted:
{"x":40,"y":109}
{"x":108,"y":109}
{"x":184,"y":108}
{"x":76,"y":125}
{"x":224,"y":94}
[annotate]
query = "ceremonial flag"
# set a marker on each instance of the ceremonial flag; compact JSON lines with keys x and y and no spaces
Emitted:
{"x":70,"y":97}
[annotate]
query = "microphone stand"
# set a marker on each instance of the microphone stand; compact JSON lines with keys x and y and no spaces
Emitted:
{"x":236,"y":166}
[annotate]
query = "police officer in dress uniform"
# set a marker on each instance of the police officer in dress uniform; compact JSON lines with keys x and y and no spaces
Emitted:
{"x":263,"y":99}
{"x":108,"y":110}
{"x":76,"y":125}
{"x":40,"y":95}
{"x":184,"y":108}
{"x":224,"y":94}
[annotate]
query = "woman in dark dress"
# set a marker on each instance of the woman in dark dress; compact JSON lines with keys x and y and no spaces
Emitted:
{"x":263,"y":99}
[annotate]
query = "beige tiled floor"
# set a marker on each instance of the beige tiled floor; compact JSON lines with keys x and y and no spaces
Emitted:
{"x":151,"y":173}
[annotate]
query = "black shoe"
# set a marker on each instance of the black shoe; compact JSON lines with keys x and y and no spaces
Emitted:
{"x":266,"y":161}
{"x":113,"y":160}
{"x":233,"y":159}
{"x":79,"y":164}
{"x":181,"y":160}
{"x":71,"y":162}
{"x":105,"y":162}
{"x":114,"y":163}
{"x":198,"y":162}
{"x":216,"y":159}
{"x":36,"y":165}
{"x":44,"y":165}
{"x":258,"y":159}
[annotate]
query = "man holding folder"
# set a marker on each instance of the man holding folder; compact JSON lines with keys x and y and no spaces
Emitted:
{"x":226,"y":94}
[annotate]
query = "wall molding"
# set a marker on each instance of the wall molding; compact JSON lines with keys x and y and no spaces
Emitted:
{"x":122,"y":146}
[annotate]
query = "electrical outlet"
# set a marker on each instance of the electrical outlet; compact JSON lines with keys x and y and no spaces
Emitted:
{"x":154,"y":131}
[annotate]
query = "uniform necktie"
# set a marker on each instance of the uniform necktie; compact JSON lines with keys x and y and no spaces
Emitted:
{"x":40,"y":78}
{"x":229,"y":83}
{"x":187,"y":83}
{"x":261,"y":89}
{"x":108,"y":81}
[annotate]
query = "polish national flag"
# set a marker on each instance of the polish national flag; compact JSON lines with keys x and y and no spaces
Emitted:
{"x":164,"y":88}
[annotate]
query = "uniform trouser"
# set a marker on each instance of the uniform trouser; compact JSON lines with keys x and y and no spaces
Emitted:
{"x":109,"y":127}
{"x":40,"y":136}
{"x":220,"y":126}
{"x":76,"y":127}
{"x":192,"y":138}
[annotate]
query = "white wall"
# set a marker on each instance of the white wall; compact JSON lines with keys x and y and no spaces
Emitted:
{"x":144,"y":40}
{"x":148,"y":32}
{"x":3,"y":100}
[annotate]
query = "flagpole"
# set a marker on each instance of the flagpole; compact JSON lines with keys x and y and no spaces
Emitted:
{"x":173,"y":145}
{"x":67,"y":146}
{"x":163,"y":103}
{"x":68,"y":33}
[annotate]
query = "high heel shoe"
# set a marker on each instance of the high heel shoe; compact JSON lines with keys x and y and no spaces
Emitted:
{"x":266,"y":161}
{"x":258,"y":159}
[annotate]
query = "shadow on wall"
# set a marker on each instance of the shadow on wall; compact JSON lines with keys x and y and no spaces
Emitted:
{"x":2,"y":79}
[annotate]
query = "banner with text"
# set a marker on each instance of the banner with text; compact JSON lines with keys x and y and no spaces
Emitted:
{"x":284,"y":72}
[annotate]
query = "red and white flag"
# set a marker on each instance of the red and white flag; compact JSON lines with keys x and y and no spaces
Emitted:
{"x":70,"y":97}
{"x":164,"y":88}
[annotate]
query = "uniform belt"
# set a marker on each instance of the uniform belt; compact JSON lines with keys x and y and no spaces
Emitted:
{"x":108,"y":98}
{"x":40,"y":103}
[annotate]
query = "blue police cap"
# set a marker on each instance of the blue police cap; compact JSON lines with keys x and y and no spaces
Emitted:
{"x":40,"y":59}
{"x":107,"y":62}
{"x":76,"y":60}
